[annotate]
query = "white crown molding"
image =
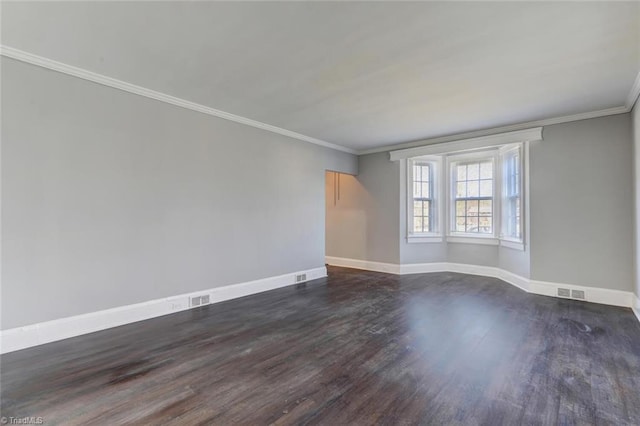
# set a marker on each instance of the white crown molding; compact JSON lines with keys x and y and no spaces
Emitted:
{"x":43,"y":62}
{"x":50,"y":331}
{"x":634,"y":93}
{"x":592,"y":294}
{"x":526,"y":135}
{"x":496,"y":130}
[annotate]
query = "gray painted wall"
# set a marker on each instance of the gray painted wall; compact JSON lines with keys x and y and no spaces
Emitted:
{"x":635,"y":125}
{"x":363,"y":224}
{"x":345,"y":216}
{"x":109,"y":198}
{"x":379,"y":178}
{"x":581,"y":214}
{"x":582,"y":203}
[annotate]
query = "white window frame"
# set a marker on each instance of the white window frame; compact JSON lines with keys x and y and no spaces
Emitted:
{"x":466,"y":237}
{"x":505,"y":152}
{"x":437,"y":216}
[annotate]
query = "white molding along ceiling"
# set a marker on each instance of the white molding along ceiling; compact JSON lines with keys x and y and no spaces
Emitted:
{"x":40,"y":61}
{"x":50,"y":64}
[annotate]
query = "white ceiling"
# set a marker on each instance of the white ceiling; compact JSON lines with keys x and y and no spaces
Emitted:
{"x":360,"y":75}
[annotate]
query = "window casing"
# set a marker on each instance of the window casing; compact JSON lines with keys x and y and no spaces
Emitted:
{"x":472,"y":195}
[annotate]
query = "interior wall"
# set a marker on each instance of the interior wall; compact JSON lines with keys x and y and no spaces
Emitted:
{"x":582,"y":203}
{"x":370,"y":205}
{"x":345,"y":218}
{"x":109,"y":198}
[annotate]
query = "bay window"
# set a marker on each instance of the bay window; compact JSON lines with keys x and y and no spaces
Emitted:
{"x":483,"y":200}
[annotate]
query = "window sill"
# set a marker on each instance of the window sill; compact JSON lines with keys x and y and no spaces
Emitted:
{"x":512,"y":244}
{"x":487,"y":241}
{"x":416,"y":239}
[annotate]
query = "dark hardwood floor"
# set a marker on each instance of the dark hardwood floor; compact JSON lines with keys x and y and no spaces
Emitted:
{"x":355,"y":348}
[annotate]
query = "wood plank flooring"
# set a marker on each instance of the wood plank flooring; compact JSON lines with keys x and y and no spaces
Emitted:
{"x":355,"y":348}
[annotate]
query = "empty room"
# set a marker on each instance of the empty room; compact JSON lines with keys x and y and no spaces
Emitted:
{"x":320,"y":212}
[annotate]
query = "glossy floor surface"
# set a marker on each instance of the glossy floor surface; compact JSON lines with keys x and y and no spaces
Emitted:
{"x":355,"y":348}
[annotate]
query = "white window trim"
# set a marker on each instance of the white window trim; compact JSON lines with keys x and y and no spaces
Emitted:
{"x":437,"y":199}
{"x":507,"y":241}
{"x":465,"y":237}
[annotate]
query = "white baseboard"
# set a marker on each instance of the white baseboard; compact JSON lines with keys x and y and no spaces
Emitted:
{"x":636,"y":307}
{"x":390,"y":268}
{"x":37,"y":334}
{"x":604,"y":296}
{"x":592,"y":294}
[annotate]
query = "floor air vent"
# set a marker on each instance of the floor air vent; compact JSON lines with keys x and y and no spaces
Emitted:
{"x":577,"y":294}
{"x":199,"y":300}
{"x":574,"y":294}
{"x":301,"y":277}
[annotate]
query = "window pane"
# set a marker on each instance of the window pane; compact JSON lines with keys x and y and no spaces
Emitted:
{"x":486,"y":170}
{"x":473,"y":188}
{"x":460,"y":224}
{"x":416,"y":190}
{"x":416,"y":173}
{"x":461,"y":172}
{"x":472,"y":224}
{"x":472,"y":208}
{"x":485,"y":225}
{"x":425,"y":190}
{"x":473,"y":171}
{"x":486,"y":207}
{"x":425,"y":224}
{"x":460,"y":208}
{"x":486,"y":188}
{"x":417,"y":208}
{"x":424,"y":173}
{"x":417,"y":224}
{"x":461,"y":190}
